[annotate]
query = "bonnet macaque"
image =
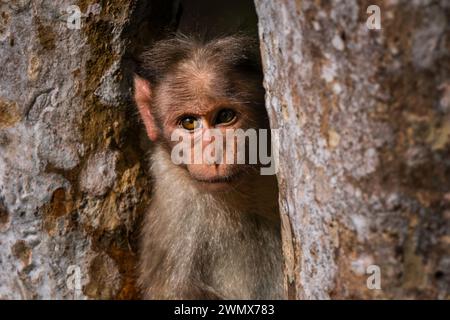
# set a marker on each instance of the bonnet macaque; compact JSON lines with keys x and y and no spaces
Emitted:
{"x":213,"y":229}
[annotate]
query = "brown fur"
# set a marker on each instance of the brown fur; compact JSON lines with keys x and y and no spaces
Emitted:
{"x":200,"y":244}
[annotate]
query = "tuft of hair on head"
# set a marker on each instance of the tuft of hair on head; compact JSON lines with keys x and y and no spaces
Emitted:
{"x":233,"y":52}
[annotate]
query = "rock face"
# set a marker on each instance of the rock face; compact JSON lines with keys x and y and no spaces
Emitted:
{"x":364,"y":120}
{"x":73,"y":181}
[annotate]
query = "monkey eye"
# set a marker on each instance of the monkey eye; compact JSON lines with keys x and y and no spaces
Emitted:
{"x":189,"y":123}
{"x":225,"y":116}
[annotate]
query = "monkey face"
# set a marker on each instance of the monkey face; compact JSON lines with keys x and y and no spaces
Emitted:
{"x":212,"y":143}
{"x":209,"y":108}
{"x":211,"y":115}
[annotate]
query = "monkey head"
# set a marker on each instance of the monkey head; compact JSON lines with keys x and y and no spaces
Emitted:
{"x":194,"y":87}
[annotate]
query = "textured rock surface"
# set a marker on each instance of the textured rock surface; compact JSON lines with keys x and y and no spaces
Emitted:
{"x":72,"y":171}
{"x":368,"y":181}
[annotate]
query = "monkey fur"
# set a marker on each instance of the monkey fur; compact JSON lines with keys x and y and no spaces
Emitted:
{"x":200,"y":243}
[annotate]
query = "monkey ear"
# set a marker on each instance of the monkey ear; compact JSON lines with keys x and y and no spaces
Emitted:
{"x":143,"y":97}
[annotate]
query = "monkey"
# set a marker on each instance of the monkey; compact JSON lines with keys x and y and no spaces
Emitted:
{"x":212,"y":231}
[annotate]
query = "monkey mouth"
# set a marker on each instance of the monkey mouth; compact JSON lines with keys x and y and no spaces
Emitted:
{"x":221,"y":179}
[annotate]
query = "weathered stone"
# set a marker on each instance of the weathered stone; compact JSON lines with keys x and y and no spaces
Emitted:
{"x":364,"y":144}
{"x":73,"y":174}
